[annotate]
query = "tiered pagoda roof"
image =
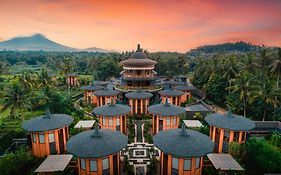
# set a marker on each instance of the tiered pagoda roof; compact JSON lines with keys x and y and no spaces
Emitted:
{"x":138,"y":58}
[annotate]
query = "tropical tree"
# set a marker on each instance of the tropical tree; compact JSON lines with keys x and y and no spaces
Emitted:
{"x":242,"y":85}
{"x":27,"y":80}
{"x":16,"y":99}
{"x":44,"y":79}
{"x":265,"y":94}
{"x":67,"y":66}
{"x":275,"y":68}
{"x":249,"y":64}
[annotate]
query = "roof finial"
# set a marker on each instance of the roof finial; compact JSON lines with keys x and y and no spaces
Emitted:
{"x":183,"y":129}
{"x":48,"y":113}
{"x":96,"y":132}
{"x":138,"y":48}
{"x":229,"y":112}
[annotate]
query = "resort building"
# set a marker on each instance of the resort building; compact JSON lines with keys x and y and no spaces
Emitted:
{"x":97,"y":151}
{"x":49,"y":133}
{"x":104,"y":97}
{"x":226,"y":128}
{"x":72,"y":80}
{"x":112,"y":116}
{"x":187,"y":90}
{"x":173,"y":83}
{"x":138,"y":101}
{"x":100,"y":83}
{"x":182,"y":151}
{"x":165,"y":116}
{"x":138,"y":72}
{"x":173,"y":96}
{"x":89,"y":93}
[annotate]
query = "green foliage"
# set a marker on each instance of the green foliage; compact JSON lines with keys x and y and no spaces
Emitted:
{"x":263,"y":156}
{"x":6,"y":139}
{"x":224,"y":48}
{"x":107,"y":68}
{"x":242,"y":82}
{"x":216,"y":89}
{"x":131,"y":128}
{"x":20,"y":162}
{"x":147,"y":133}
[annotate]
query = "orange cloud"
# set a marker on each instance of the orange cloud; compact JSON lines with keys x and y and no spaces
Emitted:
{"x":177,"y":25}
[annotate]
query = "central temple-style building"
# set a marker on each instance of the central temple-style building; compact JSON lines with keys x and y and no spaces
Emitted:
{"x":138,"y":73}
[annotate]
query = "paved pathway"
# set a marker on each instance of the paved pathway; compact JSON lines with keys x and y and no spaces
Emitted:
{"x":139,"y":153}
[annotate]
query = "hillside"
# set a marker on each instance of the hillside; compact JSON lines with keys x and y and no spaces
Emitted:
{"x":38,"y":42}
{"x":238,"y":47}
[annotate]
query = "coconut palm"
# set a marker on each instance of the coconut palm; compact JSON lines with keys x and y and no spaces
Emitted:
{"x":275,"y":68}
{"x":265,"y":94}
{"x":44,"y":79}
{"x":16,"y":99}
{"x":249,"y":64}
{"x":242,"y":84}
{"x":28,"y":80}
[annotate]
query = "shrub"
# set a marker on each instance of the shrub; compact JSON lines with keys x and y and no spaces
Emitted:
{"x":20,"y":162}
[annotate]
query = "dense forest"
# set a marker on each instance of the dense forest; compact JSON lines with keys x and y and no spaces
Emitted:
{"x":248,"y":84}
{"x":102,"y":65}
{"x":237,"y":47}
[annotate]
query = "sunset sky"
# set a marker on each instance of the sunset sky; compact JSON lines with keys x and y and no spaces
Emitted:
{"x":158,"y":25}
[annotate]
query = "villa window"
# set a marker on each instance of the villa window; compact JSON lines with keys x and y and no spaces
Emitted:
{"x":169,"y":100}
{"x":187,"y":165}
{"x":34,"y":138}
{"x":168,"y":121}
{"x":117,"y":121}
{"x":83,"y":164}
{"x":105,"y":165}
{"x":175,"y":121}
{"x":41,"y":138}
{"x":118,"y":124}
{"x":175,"y":163}
{"x":236,"y":136}
{"x":110,"y":122}
{"x":197,"y":162}
{"x":108,"y":101}
{"x":103,"y":121}
{"x":93,"y":165}
{"x":51,"y":137}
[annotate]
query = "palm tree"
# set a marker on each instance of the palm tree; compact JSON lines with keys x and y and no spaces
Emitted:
{"x":265,"y":94}
{"x":16,"y":99}
{"x":67,"y":66}
{"x":231,"y":69}
{"x":275,"y":68}
{"x":27,"y":80}
{"x":242,"y":84}
{"x":249,"y":64}
{"x":44,"y":79}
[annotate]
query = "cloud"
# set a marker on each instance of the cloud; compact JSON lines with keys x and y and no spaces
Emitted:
{"x":159,"y":25}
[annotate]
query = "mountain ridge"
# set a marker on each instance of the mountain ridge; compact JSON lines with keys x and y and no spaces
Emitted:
{"x":39,"y":42}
